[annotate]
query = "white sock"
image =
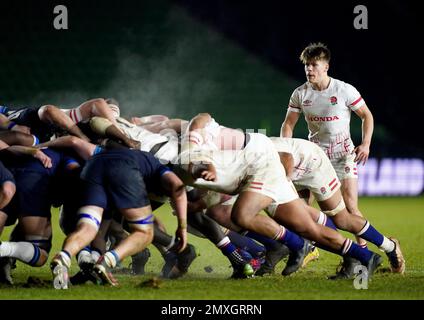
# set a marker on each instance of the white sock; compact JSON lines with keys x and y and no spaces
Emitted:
{"x":387,"y":245}
{"x":223,"y":242}
{"x":84,"y":256}
{"x":66,"y":259}
{"x":110,"y":259}
{"x":322,"y":218}
{"x":23,"y":251}
{"x":95,"y":255}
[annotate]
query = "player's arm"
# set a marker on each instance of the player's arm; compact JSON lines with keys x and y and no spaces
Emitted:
{"x":20,"y":138}
{"x":27,"y":151}
{"x":106,"y":128}
{"x":363,"y":150}
{"x":289,"y":123}
{"x":176,"y":191}
{"x":6,"y":124}
{"x":205,"y":171}
{"x":194,"y":135}
{"x":83,"y":148}
{"x":288,"y":162}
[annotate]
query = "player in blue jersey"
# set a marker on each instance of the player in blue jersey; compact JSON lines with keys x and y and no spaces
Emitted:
{"x":31,"y":205}
{"x":120,"y":179}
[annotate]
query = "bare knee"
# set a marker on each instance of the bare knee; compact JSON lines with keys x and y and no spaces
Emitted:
{"x":240,"y":220}
{"x":146,"y":234}
{"x":46,"y":112}
{"x":6,"y":193}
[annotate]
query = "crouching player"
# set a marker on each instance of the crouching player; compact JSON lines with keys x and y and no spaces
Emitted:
{"x":120,"y":178}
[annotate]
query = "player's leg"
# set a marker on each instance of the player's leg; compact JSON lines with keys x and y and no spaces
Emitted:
{"x":140,"y":222}
{"x":296,"y":218}
{"x":275,"y":251}
{"x":334,"y":207}
{"x":104,"y":127}
{"x":98,"y":108}
{"x":35,"y":248}
{"x":53,"y":115}
{"x":89,"y":219}
{"x":246,"y":214}
{"x":83,"y":148}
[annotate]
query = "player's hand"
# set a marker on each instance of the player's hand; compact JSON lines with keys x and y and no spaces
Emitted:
{"x":44,"y":159}
{"x":362,"y":152}
{"x":209,"y":174}
{"x":180,"y":239}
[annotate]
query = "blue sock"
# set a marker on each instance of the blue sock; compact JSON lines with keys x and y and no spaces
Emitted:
{"x":370,"y":234}
{"x":290,"y":239}
{"x":267,"y":242}
{"x":329,"y":223}
{"x":36,"y":256}
{"x":325,"y":220}
{"x":228,"y":249}
{"x":246,"y":243}
{"x":353,"y":250}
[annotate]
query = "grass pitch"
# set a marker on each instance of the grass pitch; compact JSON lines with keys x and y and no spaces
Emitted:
{"x":399,"y":217}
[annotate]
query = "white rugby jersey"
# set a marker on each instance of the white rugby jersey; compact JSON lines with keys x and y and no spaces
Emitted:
{"x":306,"y":155}
{"x":148,"y":139}
{"x":327,"y":114}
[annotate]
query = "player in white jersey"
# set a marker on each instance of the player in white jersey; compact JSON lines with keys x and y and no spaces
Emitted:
{"x":327,"y":104}
{"x":256,"y":173}
{"x":309,"y":168}
{"x":163,"y":145}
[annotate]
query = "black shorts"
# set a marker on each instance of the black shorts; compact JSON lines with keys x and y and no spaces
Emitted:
{"x":113,"y":181}
{"x":32,"y":195}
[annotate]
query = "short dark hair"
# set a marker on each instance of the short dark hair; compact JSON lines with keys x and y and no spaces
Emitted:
{"x":314,"y":52}
{"x":112,"y":101}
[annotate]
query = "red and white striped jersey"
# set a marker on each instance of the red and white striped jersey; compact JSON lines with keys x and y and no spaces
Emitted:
{"x":327,"y":114}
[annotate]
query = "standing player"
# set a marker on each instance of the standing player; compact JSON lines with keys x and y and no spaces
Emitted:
{"x":327,"y":104}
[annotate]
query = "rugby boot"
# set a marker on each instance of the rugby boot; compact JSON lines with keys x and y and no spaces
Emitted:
{"x":345,"y":269}
{"x":60,"y":272}
{"x":184,"y":260}
{"x":5,"y":271}
{"x":104,"y":273}
{"x":85,"y":274}
{"x":396,"y":259}
{"x":139,"y":261}
{"x":272,"y":257}
{"x":311,"y":256}
{"x":296,"y":259}
{"x":241,"y":263}
{"x":170,"y":258}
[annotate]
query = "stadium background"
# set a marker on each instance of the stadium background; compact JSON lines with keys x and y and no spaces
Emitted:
{"x":237,"y":60}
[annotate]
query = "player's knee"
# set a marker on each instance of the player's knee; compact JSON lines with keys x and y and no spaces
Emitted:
{"x":46,"y":111}
{"x":73,"y":141}
{"x":7,"y":191}
{"x":143,"y":225}
{"x":89,"y":218}
{"x":240,"y":219}
{"x":97,"y":105}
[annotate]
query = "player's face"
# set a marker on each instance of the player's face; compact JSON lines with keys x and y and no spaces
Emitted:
{"x":316,"y":70}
